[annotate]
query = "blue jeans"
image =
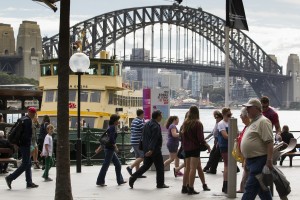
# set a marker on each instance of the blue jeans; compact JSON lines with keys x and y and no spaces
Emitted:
{"x":110,"y":155}
{"x":25,"y":166}
{"x":252,"y":188}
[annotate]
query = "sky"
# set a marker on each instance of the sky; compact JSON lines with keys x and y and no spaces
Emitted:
{"x":273,"y":24}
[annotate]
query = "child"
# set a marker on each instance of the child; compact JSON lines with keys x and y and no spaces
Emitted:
{"x":47,"y":152}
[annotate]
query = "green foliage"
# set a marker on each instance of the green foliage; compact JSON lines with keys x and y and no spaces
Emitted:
{"x":215,"y":95}
{"x":295,"y":105}
{"x":6,"y":79}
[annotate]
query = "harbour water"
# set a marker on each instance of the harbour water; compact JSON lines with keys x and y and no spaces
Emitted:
{"x":286,"y":117}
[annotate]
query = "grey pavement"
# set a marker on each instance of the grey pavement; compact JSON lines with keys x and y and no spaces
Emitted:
{"x":84,"y":185}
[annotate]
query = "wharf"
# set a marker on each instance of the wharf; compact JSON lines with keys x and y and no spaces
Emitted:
{"x":84,"y":185}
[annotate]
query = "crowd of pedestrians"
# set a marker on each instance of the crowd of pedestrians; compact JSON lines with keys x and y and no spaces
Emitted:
{"x":255,"y":142}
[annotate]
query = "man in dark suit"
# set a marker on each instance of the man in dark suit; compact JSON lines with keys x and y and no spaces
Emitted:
{"x":152,"y":143}
{"x":25,"y":151}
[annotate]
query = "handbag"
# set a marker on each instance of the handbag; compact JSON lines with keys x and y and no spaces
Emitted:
{"x":203,"y":147}
{"x":104,"y":139}
{"x":180,"y":153}
{"x":236,"y":153}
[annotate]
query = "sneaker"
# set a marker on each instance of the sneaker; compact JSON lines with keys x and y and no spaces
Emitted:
{"x":8,"y":182}
{"x":32,"y":185}
{"x":48,"y":179}
{"x":129,"y":170}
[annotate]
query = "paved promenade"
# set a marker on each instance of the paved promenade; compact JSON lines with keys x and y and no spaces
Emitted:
{"x":84,"y":187}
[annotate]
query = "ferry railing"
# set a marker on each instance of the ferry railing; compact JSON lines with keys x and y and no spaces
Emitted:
{"x":91,"y":136}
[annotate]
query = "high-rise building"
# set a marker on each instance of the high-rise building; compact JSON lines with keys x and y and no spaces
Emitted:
{"x":293,"y":70}
{"x":148,"y":76}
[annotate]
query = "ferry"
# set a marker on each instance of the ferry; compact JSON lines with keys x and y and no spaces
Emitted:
{"x":103,"y":93}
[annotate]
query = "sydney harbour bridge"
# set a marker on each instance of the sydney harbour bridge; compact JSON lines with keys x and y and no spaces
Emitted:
{"x":178,"y":37}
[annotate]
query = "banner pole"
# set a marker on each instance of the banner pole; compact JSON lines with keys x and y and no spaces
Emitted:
{"x":226,"y":66}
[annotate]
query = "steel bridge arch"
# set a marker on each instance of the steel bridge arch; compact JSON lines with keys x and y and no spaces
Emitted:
{"x":101,"y":31}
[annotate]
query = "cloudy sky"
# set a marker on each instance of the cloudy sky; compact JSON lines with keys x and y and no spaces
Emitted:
{"x":273,"y":24}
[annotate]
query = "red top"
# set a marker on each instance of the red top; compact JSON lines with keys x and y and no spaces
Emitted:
{"x":191,"y":140}
{"x":240,"y":137}
{"x":271,"y":115}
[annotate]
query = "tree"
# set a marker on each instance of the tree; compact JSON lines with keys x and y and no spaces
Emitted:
{"x":63,"y":188}
{"x":6,"y":79}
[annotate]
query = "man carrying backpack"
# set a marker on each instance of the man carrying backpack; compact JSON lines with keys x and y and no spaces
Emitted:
{"x":25,"y":142}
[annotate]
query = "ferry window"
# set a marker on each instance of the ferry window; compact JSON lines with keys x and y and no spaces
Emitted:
{"x":53,"y":121}
{"x":133,"y":101}
{"x":89,"y":121}
{"x":95,"y":96}
{"x":46,"y":70}
{"x":115,"y":99}
{"x":118,"y":100}
{"x":110,"y":98}
{"x":128,"y":101}
{"x":93,"y":69}
{"x":56,"y":95}
{"x":72,"y":95}
{"x":84,"y":96}
{"x":123,"y":101}
{"x":105,"y":124}
{"x":55,"y":68}
{"x":107,"y":70}
{"x":49,"y":96}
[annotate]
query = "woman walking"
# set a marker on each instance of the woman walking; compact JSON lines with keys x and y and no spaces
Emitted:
{"x":110,"y":153}
{"x":192,"y":138}
{"x":223,"y":143}
{"x":173,"y":143}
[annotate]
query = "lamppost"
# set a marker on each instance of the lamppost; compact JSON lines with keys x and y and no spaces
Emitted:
{"x":79,"y":63}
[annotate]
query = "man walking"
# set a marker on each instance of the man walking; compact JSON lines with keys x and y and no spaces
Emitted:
{"x":137,"y":126}
{"x":25,"y":151}
{"x":257,"y":148}
{"x":152,"y":143}
{"x":272,"y":115}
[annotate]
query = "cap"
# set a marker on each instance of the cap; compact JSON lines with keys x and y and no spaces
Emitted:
{"x":32,"y":109}
{"x":253,"y":102}
{"x":1,"y":133}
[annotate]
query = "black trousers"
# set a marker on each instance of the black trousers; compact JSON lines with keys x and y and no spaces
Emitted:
{"x":214,"y":158}
{"x":157,"y":159}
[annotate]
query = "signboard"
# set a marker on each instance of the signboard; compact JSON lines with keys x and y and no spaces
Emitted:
{"x":158,"y":99}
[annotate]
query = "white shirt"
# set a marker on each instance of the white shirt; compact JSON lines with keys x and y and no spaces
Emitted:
{"x":48,"y":140}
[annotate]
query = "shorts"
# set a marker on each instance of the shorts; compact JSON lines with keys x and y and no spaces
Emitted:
{"x":173,"y":148}
{"x":193,"y":153}
{"x":137,"y":152}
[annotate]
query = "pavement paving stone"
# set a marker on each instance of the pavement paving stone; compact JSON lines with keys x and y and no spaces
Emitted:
{"x":84,"y":185}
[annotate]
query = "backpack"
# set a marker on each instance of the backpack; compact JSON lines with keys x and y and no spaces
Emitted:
{"x":16,"y":132}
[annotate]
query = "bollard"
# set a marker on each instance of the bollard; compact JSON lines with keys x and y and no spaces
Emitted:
{"x":232,"y":129}
{"x":88,"y":146}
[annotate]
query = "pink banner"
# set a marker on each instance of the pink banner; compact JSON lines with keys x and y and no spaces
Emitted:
{"x":147,"y":103}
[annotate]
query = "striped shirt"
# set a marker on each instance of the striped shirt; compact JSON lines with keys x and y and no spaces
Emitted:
{"x":137,"y":126}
